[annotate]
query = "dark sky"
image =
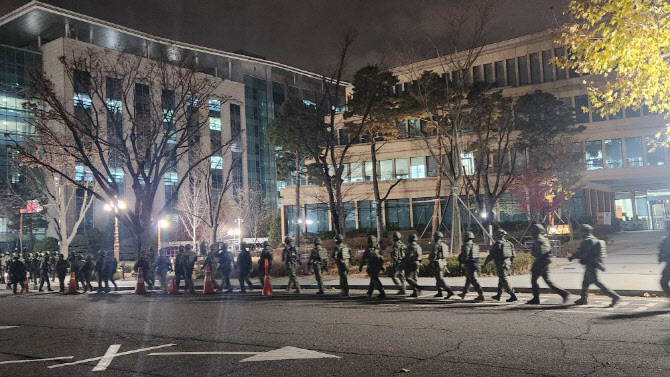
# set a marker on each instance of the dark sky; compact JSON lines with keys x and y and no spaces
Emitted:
{"x":306,"y":33}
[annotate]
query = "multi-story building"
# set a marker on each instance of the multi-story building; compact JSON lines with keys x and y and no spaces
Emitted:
{"x":36,"y":34}
{"x":621,"y":174}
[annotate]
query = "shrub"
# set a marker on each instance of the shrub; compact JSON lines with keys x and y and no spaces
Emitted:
{"x":274,"y":236}
{"x":46,"y":244}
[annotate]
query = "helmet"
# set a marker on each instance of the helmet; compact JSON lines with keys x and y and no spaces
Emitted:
{"x":372,"y":238}
{"x":288,"y":239}
{"x":438,"y":235}
{"x":538,"y":229}
{"x":411,"y":238}
{"x":61,"y":256}
{"x":339,"y":238}
{"x":397,"y":235}
{"x":266,"y":243}
{"x":469,"y":236}
{"x":224,"y":246}
{"x":501,"y":232}
{"x":181,"y":249}
{"x":89,"y":258}
{"x":317,"y":241}
{"x":586,"y":228}
{"x":188,"y":247}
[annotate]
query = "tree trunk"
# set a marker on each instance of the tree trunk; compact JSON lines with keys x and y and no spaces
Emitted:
{"x":297,"y":209}
{"x":375,"y":186}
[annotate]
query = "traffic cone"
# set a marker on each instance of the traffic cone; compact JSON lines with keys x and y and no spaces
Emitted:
{"x":208,"y":285}
{"x":172,"y":287}
{"x":267,"y":288}
{"x":140,"y":289}
{"x":72,"y":285}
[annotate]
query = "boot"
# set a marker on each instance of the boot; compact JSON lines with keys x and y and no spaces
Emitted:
{"x":414,"y":294}
{"x":320,"y":292}
{"x":615,"y":301}
{"x":382,"y":295}
{"x":439,"y":294}
{"x":368,"y":293}
{"x":533,"y":301}
{"x":565,"y":296}
{"x":512,"y":298}
{"x":402,"y":292}
{"x":582,"y":301}
{"x":480,"y":297}
{"x":462,"y":295}
{"x":496,"y":297}
{"x":449,"y":294}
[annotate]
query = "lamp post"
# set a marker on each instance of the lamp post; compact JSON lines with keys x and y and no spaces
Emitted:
{"x":233,"y":232}
{"x":161,"y":224}
{"x":115,"y":206}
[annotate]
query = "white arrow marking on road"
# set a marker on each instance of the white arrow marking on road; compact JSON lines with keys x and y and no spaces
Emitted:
{"x":289,"y":353}
{"x":107,"y":359}
{"x":112,"y":356}
{"x":284,"y":353}
{"x":33,"y":360}
{"x":7,"y":327}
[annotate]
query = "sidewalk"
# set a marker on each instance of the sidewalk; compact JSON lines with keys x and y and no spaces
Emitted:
{"x":632,"y":270}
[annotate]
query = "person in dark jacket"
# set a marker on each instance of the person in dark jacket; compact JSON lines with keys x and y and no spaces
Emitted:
{"x":162,"y":266}
{"x":226,"y":260}
{"x":100,"y":269}
{"x":17,"y":274}
{"x":244,"y":265}
{"x":591,"y":253}
{"x":373,"y":258}
{"x":45,"y":270}
{"x":61,"y":271}
{"x":469,"y":258}
{"x":86,"y":271}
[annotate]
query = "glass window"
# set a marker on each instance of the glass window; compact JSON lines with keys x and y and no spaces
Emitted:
{"x":581,"y":108}
{"x":595,"y":116}
{"x":290,"y":220}
{"x":488,"y":73}
{"x":634,"y":151}
{"x":559,"y":52}
{"x":431,"y":170}
{"x":216,"y":162}
{"x":477,"y":73}
{"x":594,"y":154}
{"x":401,"y":168}
{"x":519,"y":160}
{"x":414,"y":128}
{"x":501,"y":80}
{"x":422,"y":209}
{"x":630,"y":113}
{"x":613,"y":153}
{"x":349,"y":216}
{"x":547,"y":67}
{"x":397,"y":214}
{"x":368,"y":170}
{"x":578,"y":154}
{"x":468,"y":163}
{"x":345,"y":172}
{"x":657,"y":156}
{"x":535,"y":68}
{"x":356,"y":172}
{"x":523,"y":69}
{"x":511,"y":72}
{"x":417,"y":168}
{"x":316,"y":218}
{"x":386,"y":169}
{"x":367,"y":215}
{"x":343,"y":136}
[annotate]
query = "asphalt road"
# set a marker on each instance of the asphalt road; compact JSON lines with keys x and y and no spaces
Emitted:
{"x":308,"y":335}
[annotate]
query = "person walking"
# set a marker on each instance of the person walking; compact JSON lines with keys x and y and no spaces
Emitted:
{"x":397,"y":256}
{"x":226,"y":260}
{"x":291,"y":258}
{"x":502,"y":254}
{"x":188,"y":265}
{"x":100,"y":269}
{"x":373,"y":258}
{"x":412,"y":264}
{"x":179,"y":266}
{"x":266,"y":255}
{"x":45,"y":270}
{"x":342,"y":257}
{"x":438,"y":265}
{"x":541,"y":251}
{"x":61,"y":271}
{"x":591,"y":253}
{"x":664,"y":257}
{"x":469,"y":258}
{"x":162,"y":266}
{"x":17,"y":274}
{"x":318,"y":261}
{"x":244,"y":265}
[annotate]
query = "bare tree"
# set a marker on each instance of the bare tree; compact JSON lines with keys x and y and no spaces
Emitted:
{"x":132,"y":118}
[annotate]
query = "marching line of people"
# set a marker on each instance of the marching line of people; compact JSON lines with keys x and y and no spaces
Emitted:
{"x":404,"y":268}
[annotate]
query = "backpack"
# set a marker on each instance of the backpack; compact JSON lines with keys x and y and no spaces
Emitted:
{"x":507,"y":249}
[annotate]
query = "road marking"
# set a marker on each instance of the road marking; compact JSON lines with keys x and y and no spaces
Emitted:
{"x":202,"y":353}
{"x":7,"y":327}
{"x":112,"y":356}
{"x":34,"y":360}
{"x":107,"y":359}
{"x":284,"y":353}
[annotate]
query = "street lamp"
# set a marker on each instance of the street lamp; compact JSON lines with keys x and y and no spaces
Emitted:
{"x":115,"y":206}
{"x":161,"y":224}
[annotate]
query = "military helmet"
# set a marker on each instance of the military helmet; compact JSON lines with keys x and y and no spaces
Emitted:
{"x":397,"y":235}
{"x":469,"y":236}
{"x":339,"y":238}
{"x":317,"y":241}
{"x":372,"y":238}
{"x":288,"y":239}
{"x":586,"y":228}
{"x":411,"y":238}
{"x":266,"y":243}
{"x":181,"y":248}
{"x":501,"y":232}
{"x":438,"y":234}
{"x":61,"y":256}
{"x":89,"y":258}
{"x":538,"y":228}
{"x":224,"y":246}
{"x":16,"y":257}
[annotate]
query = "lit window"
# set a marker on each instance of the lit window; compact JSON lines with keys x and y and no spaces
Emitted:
{"x":417,"y":167}
{"x":216,"y":162}
{"x":82,"y":173}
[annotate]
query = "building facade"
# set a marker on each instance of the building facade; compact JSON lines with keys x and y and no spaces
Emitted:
{"x":35,"y":35}
{"x":622,"y":175}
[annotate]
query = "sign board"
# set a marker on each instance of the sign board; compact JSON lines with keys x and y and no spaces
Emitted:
{"x":604,"y":218}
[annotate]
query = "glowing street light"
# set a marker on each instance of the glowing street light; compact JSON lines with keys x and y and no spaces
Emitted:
{"x":115,"y":206}
{"x":161,"y":224}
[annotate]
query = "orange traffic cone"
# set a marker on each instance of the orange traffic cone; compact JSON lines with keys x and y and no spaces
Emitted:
{"x":267,"y":288}
{"x":72,"y":285}
{"x":172,"y":287}
{"x":208,"y":286}
{"x":140,"y":289}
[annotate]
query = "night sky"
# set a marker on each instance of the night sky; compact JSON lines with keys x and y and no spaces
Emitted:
{"x":306,"y":33}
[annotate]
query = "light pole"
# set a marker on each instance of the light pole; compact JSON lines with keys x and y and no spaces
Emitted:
{"x":161,"y":224}
{"x":116,"y":205}
{"x":234,"y":232}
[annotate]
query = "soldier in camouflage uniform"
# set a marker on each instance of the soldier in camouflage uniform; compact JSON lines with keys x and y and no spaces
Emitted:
{"x":226,"y":261}
{"x":591,"y":253}
{"x":469,"y":258}
{"x":318,"y":260}
{"x":438,"y":265}
{"x":35,"y":267}
{"x":45,"y":270}
{"x":373,"y":258}
{"x":342,"y":257}
{"x":188,"y":264}
{"x":664,"y":256}
{"x":397,"y":256}
{"x":291,"y":257}
{"x":541,"y":251}
{"x":266,"y":254}
{"x":412,"y":263}
{"x":502,"y":254}
{"x":210,"y":261}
